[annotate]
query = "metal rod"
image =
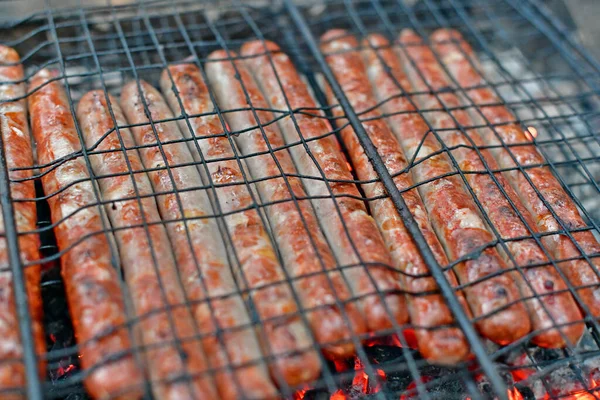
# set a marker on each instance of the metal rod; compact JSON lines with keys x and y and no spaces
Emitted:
{"x":33,"y":386}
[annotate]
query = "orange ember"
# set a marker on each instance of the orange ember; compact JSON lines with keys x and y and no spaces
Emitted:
{"x":581,"y":396}
{"x":340,"y":365}
{"x":514,"y":394}
{"x":412,"y":388}
{"x":391,"y":340}
{"x":361,"y":379}
{"x":63,"y":371}
{"x":584,"y":395}
{"x":299,"y":395}
{"x":339,"y":395}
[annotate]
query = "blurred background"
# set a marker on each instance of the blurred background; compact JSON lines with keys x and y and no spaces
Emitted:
{"x":579,"y":16}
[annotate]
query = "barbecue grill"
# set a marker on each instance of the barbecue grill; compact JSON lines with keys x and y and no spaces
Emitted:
{"x":529,"y":57}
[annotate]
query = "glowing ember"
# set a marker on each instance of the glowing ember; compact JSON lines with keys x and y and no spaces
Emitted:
{"x":339,"y":395}
{"x":412,"y":388}
{"x":584,"y":395}
{"x":581,"y":396}
{"x":63,"y":371}
{"x":391,"y":340}
{"x":340,"y":366}
{"x":361,"y":379}
{"x":514,"y":394}
{"x":299,"y":395}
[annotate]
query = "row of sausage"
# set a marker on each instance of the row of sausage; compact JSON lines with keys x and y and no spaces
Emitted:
{"x":138,"y":205}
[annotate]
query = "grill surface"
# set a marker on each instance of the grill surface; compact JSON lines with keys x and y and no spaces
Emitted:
{"x":544,"y":76}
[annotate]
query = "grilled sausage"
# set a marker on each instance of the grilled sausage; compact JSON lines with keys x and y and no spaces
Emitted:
{"x":501,"y":213}
{"x":411,"y":130}
{"x":499,"y":292}
{"x":352,"y":231}
{"x":558,"y":308}
{"x":305,"y":252}
{"x":440,"y":345}
{"x":18,"y":153}
{"x":91,"y":280}
{"x":259,"y":265}
{"x":175,"y":359}
{"x":579,"y":272}
{"x":208,"y":249}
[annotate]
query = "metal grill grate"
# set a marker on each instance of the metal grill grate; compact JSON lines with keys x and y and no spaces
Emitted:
{"x":530,"y":59}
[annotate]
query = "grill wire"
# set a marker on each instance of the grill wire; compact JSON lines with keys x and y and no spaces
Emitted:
{"x":530,"y":59}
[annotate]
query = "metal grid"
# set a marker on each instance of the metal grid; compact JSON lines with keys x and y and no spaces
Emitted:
{"x":103,"y":47}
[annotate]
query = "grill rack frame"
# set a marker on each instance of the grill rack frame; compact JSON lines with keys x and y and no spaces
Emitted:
{"x":531,"y":11}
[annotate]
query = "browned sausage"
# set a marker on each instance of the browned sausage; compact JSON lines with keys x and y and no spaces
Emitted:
{"x":352,"y":76}
{"x":411,"y":130}
{"x":488,"y":295}
{"x":560,"y":309}
{"x":18,"y":153}
{"x":305,"y":251}
{"x":173,"y":352}
{"x":352,"y":227}
{"x":502,"y":215}
{"x":230,"y":313}
{"x":443,"y":345}
{"x":91,"y":281}
{"x":259,"y":265}
{"x":579,"y":271}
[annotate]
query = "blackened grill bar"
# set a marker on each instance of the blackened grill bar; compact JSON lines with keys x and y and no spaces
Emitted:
{"x":559,"y":111}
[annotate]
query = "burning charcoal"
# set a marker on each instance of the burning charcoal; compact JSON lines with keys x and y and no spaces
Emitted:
{"x":450,"y":389}
{"x":525,"y":362}
{"x":565,"y":381}
{"x":526,"y":392}
{"x":441,"y":383}
{"x":591,"y":364}
{"x":311,"y":395}
{"x":387,"y":354}
{"x":485,"y":387}
{"x":59,"y":335}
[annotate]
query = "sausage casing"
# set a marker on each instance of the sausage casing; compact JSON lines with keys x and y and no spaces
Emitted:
{"x":172,"y":350}
{"x":412,"y":130}
{"x":207,"y":256}
{"x":510,"y":220}
{"x":95,"y":298}
{"x":460,"y":60}
{"x":352,"y":231}
{"x":19,"y":154}
{"x":303,"y":248}
{"x":259,"y":265}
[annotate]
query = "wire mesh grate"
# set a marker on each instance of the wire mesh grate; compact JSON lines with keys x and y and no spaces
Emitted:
{"x":528,"y":58}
